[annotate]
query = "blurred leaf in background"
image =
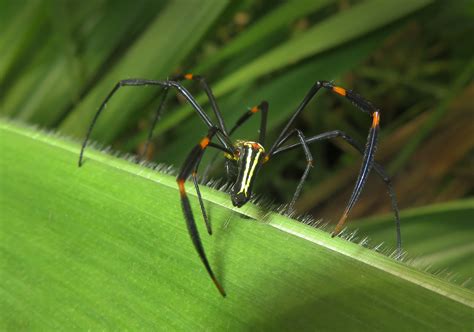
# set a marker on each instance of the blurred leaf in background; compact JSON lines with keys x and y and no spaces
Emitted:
{"x":411,"y":58}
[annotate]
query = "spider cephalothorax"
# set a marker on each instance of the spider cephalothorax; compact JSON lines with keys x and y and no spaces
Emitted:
{"x":250,"y":156}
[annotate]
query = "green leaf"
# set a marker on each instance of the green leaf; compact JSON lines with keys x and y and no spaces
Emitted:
{"x":334,"y":31}
{"x":460,"y":82}
{"x":64,"y":65}
{"x":21,"y":23}
{"x":105,"y":247}
{"x":158,"y":51}
{"x":277,"y":19}
{"x":438,"y":237}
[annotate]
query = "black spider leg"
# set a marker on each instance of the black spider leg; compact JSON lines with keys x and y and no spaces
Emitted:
{"x":210,"y":96}
{"x":189,"y":165}
{"x":155,"y":121}
{"x":369,"y":152}
{"x":212,"y":100}
{"x":198,"y":191}
{"x":309,"y":163}
{"x":223,"y":138}
{"x":377,"y":167}
{"x":263,"y":108}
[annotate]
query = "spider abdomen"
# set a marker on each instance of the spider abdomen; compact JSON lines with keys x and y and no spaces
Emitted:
{"x":249,"y":161}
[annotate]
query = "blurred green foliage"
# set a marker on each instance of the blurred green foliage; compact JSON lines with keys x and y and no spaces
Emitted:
{"x":59,"y":60}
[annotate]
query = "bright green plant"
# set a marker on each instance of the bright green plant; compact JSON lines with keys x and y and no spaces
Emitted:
{"x":105,"y":246}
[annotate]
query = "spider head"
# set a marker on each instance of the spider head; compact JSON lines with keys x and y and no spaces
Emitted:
{"x":239,"y":199}
{"x":249,"y":159}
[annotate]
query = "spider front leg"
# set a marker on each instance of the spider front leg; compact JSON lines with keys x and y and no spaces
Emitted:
{"x":212,"y":100}
{"x":188,"y":167}
{"x":309,"y":163}
{"x":223,"y":138}
{"x":369,"y":152}
{"x":367,"y":164}
{"x":263,"y":109}
{"x":155,"y":121}
{"x":377,"y":167}
{"x":198,"y":191}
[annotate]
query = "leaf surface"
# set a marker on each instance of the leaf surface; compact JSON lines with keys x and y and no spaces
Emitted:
{"x":105,"y":247}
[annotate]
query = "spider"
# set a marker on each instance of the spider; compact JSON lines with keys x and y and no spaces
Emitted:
{"x":249,"y":156}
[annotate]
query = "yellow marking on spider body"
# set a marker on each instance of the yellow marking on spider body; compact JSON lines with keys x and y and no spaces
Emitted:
{"x":251,"y":163}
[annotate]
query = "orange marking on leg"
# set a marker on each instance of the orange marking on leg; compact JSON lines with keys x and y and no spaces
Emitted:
{"x":340,"y":91}
{"x":188,"y":76}
{"x":376,"y":119}
{"x":266,"y":158}
{"x":204,"y":142}
{"x":255,"y":109}
{"x":182,"y":191}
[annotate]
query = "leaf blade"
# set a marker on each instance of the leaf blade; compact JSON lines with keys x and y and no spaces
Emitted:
{"x":153,"y":55}
{"x":103,"y":254}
